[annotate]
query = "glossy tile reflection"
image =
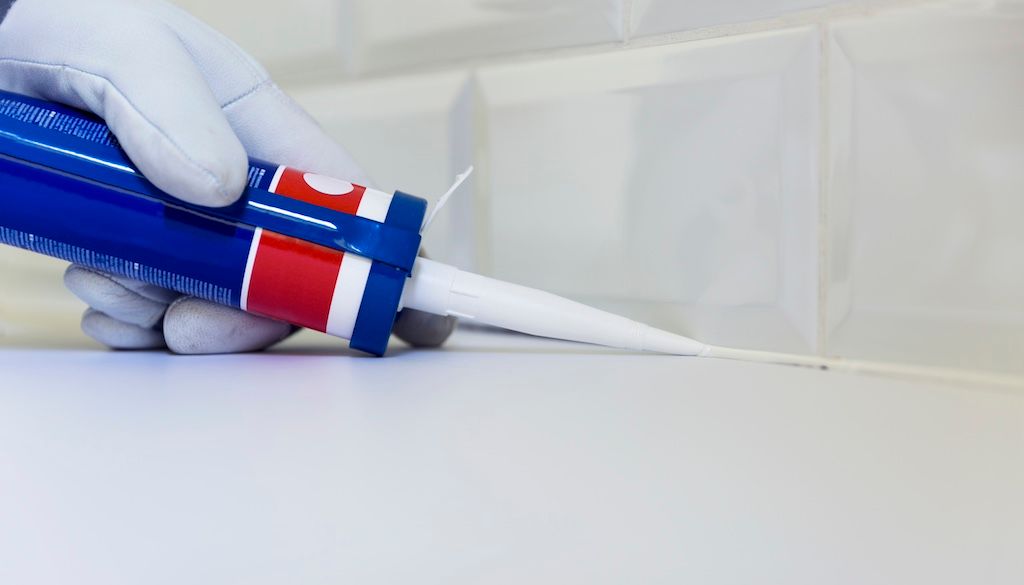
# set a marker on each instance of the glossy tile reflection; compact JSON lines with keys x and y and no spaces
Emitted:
{"x":283,"y":37}
{"x":444,"y":30}
{"x":681,"y":180}
{"x":926,"y":246}
{"x":665,"y":16}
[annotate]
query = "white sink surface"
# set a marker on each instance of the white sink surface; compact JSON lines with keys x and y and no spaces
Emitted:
{"x":501,"y":459}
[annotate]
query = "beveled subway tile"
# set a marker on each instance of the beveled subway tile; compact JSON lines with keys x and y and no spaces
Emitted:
{"x":389,"y":34}
{"x":927,"y":174}
{"x":280,"y":35}
{"x":412,"y":134}
{"x":35,"y":308}
{"x":651,"y":17}
{"x":678,"y":184}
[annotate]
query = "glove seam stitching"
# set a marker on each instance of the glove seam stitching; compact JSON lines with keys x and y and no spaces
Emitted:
{"x":258,"y":77}
{"x":207,"y":173}
{"x":289,"y":103}
{"x":258,"y":73}
{"x":246,"y":94}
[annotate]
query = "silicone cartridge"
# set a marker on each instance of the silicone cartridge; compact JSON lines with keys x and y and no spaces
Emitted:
{"x":315,"y":251}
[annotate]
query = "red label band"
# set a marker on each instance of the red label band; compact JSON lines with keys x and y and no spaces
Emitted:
{"x":293,"y":280}
{"x":304,"y":283}
{"x":319,"y":190}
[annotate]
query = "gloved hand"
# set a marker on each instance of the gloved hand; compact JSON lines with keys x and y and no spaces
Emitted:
{"x":187,"y":106}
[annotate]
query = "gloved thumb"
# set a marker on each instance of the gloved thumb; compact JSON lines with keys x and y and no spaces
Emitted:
{"x":141,"y":80}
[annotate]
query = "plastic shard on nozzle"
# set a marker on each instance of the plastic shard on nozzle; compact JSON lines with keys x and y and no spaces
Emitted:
{"x":443,"y":200}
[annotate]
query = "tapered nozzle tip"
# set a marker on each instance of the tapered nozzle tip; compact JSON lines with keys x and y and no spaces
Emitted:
{"x":660,"y":341}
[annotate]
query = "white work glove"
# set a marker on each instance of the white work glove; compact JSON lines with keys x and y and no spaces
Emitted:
{"x":187,"y":106}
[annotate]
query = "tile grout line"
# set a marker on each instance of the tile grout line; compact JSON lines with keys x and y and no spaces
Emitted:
{"x":484,"y":253}
{"x":824,"y":174}
{"x":802,"y":18}
{"x":627,"y":22}
{"x":807,"y":17}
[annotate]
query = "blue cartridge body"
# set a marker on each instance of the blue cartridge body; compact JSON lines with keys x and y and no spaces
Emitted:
{"x":315,"y":251}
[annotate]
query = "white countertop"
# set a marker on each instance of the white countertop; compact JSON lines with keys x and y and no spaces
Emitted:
{"x":501,"y":459}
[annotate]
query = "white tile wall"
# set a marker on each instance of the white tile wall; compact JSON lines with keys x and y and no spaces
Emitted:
{"x":35,"y":308}
{"x":386,"y":34}
{"x":282,"y":35}
{"x":926,"y":210}
{"x":680,"y":184}
{"x":358,"y":36}
{"x":411,"y":134}
{"x":648,"y":17}
{"x":683,"y":177}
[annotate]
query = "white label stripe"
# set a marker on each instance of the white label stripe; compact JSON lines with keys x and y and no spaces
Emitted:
{"x":374,"y":205}
{"x":348,"y":295}
{"x":253,"y":248}
{"x":276,"y":179}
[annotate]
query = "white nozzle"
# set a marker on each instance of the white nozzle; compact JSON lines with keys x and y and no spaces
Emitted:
{"x":444,"y":290}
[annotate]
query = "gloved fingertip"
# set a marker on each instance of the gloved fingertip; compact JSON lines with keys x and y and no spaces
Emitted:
{"x":202,"y":163}
{"x":229,"y":180}
{"x":195,"y":326}
{"x":421,"y":329}
{"x":118,"y":334}
{"x":216,"y":182}
{"x":103,"y":292}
